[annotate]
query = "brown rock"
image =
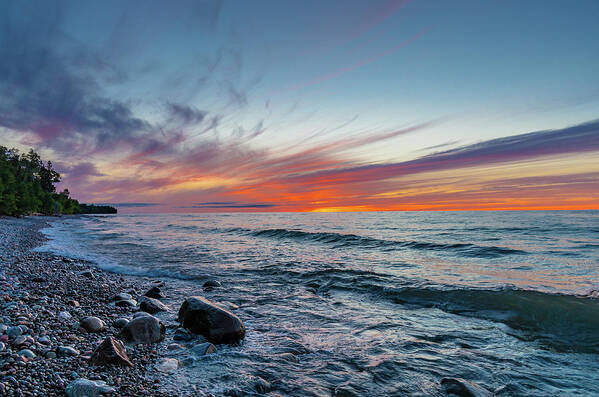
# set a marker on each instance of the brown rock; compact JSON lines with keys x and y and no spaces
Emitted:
{"x":201,"y":316}
{"x":110,"y":351}
{"x":143,"y":329}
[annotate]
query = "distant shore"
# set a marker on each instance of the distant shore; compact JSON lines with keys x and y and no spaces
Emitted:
{"x":47,"y":296}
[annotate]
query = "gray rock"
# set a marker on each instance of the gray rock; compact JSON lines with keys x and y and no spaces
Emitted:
{"x":167,"y":365}
{"x":140,"y":314}
{"x":151,"y":305}
{"x":64,"y":316}
{"x":123,"y":296}
{"x":155,"y":292}
{"x":126,"y":303}
{"x":14,"y":331}
{"x":19,"y":340}
{"x":182,"y":334}
{"x":92,"y":324}
{"x":26,"y":353}
{"x":110,"y":351}
{"x":44,"y":340}
{"x":203,"y":348}
{"x":144,"y":329}
{"x":64,"y":351}
{"x":87,"y":388}
{"x":2,"y":346}
{"x":50,"y":354}
{"x":463,"y":388}
{"x":201,"y":316}
{"x":120,"y":322}
{"x":212,"y":284}
{"x":3,"y":328}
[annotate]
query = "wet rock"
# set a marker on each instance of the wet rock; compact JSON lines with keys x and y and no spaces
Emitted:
{"x":212,"y":284}
{"x":92,"y":324}
{"x":155,"y":292}
{"x":126,"y":303}
{"x":50,"y":354}
{"x":201,"y":316}
{"x":203,"y":348}
{"x":64,"y":316}
{"x":120,"y":322}
{"x":19,"y":340}
{"x":110,"y":351}
{"x":87,"y":274}
{"x":123,"y":296}
{"x":144,"y":329}
{"x":26,"y":353}
{"x":167,"y":365}
{"x":14,"y":332}
{"x":64,"y":351}
{"x":463,"y":388}
{"x":2,"y":346}
{"x":182,"y":334}
{"x":151,"y":305}
{"x":87,"y":388}
{"x":44,"y":340}
{"x":140,"y":314}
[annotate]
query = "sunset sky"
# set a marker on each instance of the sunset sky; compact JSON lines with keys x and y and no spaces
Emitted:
{"x":192,"y":106}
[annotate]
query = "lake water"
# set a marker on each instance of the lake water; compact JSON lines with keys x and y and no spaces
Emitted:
{"x":381,"y":303}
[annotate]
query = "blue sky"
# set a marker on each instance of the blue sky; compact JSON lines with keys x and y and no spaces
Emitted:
{"x":277,"y":77}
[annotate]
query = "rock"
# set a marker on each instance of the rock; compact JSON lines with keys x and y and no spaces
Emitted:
{"x":110,"y":351}
{"x":92,"y":324}
{"x":44,"y":340}
{"x":39,"y":279}
{"x":182,"y":334}
{"x":19,"y":340}
{"x":120,"y":322}
{"x":155,"y":292}
{"x":126,"y":303}
{"x":151,"y":305}
{"x":212,"y":284}
{"x":123,"y":296}
{"x":2,"y":346}
{"x":203,"y":348}
{"x":64,"y":351}
{"x":201,"y":316}
{"x":14,"y":332}
{"x":64,"y":316}
{"x":26,"y":353}
{"x":167,"y":365}
{"x":140,"y":314}
{"x":87,"y":274}
{"x":463,"y":388}
{"x":50,"y":354}
{"x":87,"y":388}
{"x":144,"y":329}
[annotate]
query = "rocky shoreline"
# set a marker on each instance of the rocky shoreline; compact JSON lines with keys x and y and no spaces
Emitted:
{"x":63,"y":323}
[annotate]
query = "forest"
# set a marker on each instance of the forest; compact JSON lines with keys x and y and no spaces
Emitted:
{"x":28,"y":187}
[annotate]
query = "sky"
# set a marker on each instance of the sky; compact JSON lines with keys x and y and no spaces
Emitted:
{"x":227,"y":106}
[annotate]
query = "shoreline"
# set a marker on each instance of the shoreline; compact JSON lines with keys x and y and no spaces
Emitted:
{"x":36,"y":289}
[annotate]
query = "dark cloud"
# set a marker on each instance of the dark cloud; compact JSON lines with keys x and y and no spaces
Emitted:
{"x":132,"y":204}
{"x":184,"y":114}
{"x":50,"y":85}
{"x":79,"y":171}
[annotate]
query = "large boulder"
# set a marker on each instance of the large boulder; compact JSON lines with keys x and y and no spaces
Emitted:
{"x":155,"y":292}
{"x":201,"y":316}
{"x":151,"y":305}
{"x":143,"y":329}
{"x":110,"y":351}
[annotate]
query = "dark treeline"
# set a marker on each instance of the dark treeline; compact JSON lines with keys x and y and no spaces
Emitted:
{"x":27,"y":186}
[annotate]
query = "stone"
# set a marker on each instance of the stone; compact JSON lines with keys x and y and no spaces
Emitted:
{"x":123,"y":296}
{"x":50,"y":354}
{"x":203,"y":348}
{"x":19,"y":340}
{"x":64,"y":351}
{"x":151,"y":305}
{"x":110,"y":351}
{"x":144,"y":329}
{"x":87,"y":388}
{"x":201,"y":316}
{"x":92,"y":324}
{"x":155,"y":292}
{"x":87,"y":274}
{"x":120,"y":322}
{"x":167,"y":365}
{"x":463,"y":388}
{"x":14,"y":332}
{"x":26,"y":353}
{"x":212,"y":284}
{"x":64,"y":316}
{"x":182,"y":334}
{"x":44,"y":340}
{"x":140,"y":314}
{"x":126,"y":303}
{"x":2,"y":346}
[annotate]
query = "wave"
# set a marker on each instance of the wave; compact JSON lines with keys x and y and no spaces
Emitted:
{"x":352,"y":240}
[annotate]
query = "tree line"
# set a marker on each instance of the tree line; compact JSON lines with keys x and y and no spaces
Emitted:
{"x":27,"y":186}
